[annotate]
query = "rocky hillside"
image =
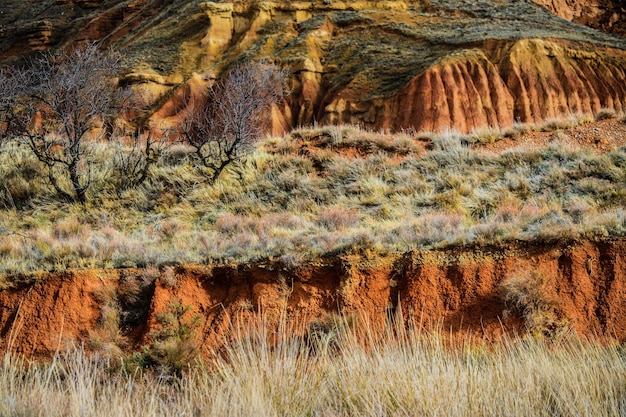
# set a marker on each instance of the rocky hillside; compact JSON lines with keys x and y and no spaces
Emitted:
{"x":427,"y":65}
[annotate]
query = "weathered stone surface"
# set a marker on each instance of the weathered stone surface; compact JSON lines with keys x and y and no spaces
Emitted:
{"x":38,"y":35}
{"x":432,"y":65}
{"x":527,"y":81}
{"x":606,"y":15}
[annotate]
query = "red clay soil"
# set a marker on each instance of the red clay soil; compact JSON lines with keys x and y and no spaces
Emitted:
{"x":455,"y":290}
{"x":602,"y":136}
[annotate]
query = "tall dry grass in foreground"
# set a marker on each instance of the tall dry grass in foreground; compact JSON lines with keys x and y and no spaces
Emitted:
{"x":331,"y":374}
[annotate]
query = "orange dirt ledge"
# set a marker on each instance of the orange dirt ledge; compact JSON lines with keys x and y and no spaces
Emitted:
{"x":455,"y":290}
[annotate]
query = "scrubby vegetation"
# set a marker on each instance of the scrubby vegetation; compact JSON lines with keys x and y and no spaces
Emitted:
{"x":398,"y":373}
{"x":526,"y":296}
{"x":312,"y":193}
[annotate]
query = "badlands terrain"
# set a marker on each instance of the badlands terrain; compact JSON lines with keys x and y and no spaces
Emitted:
{"x":439,"y":204}
{"x":425,"y":65}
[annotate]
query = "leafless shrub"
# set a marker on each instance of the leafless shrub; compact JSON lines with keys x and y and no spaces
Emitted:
{"x":136,"y":152}
{"x":225,"y":123}
{"x":64,"y":99}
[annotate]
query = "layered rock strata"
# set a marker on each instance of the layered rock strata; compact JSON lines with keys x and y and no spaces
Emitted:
{"x":426,"y":65}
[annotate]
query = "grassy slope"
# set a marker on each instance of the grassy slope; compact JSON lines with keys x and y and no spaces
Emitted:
{"x":314,"y":193}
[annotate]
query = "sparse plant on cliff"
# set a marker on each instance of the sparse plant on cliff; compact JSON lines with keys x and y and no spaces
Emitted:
{"x":606,"y":114}
{"x":174,"y":345}
{"x":527,"y":295}
{"x":225,"y":122}
{"x":107,"y":338}
{"x":136,"y":152}
{"x":64,"y":99}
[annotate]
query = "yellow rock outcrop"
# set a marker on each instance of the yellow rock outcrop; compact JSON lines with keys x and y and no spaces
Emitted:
{"x":427,"y":65}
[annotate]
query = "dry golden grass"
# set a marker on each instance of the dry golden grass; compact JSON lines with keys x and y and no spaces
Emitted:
{"x":337,"y":371}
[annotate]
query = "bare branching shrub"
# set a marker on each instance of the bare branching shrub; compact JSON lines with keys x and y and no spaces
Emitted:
{"x":136,"y":152}
{"x":225,"y":123}
{"x":64,"y":100}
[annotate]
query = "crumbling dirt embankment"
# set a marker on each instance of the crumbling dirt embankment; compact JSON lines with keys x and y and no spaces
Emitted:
{"x":455,"y":289}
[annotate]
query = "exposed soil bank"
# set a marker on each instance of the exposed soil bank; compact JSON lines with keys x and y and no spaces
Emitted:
{"x":456,"y":289}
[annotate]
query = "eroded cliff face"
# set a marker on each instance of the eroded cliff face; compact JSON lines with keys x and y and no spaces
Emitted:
{"x":454,"y":290}
{"x":530,"y":80}
{"x":490,"y":83}
{"x":427,"y":65}
{"x":606,"y":15}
